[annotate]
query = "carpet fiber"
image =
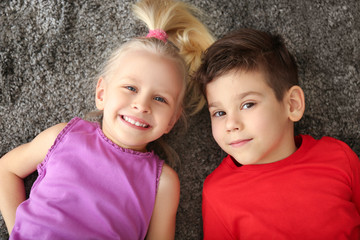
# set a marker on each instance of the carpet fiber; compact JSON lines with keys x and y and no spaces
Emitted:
{"x":50,"y":51}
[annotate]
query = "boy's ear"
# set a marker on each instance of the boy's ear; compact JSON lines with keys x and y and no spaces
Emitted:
{"x":99,"y":94}
{"x":296,"y":103}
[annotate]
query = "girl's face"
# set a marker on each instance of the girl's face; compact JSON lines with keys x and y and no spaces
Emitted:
{"x":140,"y":99}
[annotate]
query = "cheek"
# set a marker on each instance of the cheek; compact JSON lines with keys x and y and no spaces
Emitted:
{"x":261,"y":123}
{"x":217,"y":131}
{"x":266,"y":123}
{"x":120,"y":98}
{"x":166,"y":117}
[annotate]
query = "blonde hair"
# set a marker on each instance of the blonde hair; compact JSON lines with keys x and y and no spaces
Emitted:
{"x":188,"y":38}
{"x":185,"y":31}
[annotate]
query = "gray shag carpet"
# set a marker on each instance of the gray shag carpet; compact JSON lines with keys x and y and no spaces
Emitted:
{"x":50,"y":50}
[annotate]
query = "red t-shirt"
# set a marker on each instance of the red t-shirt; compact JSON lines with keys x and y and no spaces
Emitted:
{"x":312,"y":194}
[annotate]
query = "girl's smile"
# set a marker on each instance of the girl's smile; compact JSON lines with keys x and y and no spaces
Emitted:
{"x":135,"y":122}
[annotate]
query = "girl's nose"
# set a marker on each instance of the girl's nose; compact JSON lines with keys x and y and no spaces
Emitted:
{"x":141,"y":104}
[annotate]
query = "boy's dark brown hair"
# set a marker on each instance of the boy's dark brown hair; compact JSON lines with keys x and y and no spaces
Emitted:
{"x":250,"y":50}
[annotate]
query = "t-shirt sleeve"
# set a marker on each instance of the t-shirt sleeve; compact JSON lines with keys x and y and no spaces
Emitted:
{"x":354,"y":164}
{"x":213,"y":225}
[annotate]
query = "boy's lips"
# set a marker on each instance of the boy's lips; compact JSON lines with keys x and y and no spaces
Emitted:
{"x":135,"y":122}
{"x":240,"y":142}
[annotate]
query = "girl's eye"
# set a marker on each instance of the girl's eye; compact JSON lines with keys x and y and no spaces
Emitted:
{"x":160,"y":99}
{"x":219,"y":114}
{"x":247,"y":105}
{"x":131,"y":88}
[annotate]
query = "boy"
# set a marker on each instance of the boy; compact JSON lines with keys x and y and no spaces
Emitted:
{"x":272,"y":185}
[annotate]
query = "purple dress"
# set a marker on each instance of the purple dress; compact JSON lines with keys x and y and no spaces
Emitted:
{"x":89,"y":188}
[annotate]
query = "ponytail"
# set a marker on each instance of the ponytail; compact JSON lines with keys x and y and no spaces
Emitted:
{"x":186,"y":32}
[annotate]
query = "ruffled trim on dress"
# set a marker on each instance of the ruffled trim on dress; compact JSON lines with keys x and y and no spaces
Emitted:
{"x":125,"y":150}
{"x":159,"y":164}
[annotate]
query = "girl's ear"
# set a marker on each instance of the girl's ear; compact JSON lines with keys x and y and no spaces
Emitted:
{"x":296,"y":103}
{"x":99,"y":94}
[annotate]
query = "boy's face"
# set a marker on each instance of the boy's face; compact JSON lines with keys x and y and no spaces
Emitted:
{"x":248,"y":122}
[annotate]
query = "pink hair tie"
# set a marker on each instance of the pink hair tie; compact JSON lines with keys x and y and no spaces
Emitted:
{"x":159,"y":34}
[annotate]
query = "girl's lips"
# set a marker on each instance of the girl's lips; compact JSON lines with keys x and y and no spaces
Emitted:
{"x":240,"y":143}
{"x":135,"y":122}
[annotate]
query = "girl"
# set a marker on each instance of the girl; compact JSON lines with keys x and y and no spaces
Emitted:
{"x":97,"y":180}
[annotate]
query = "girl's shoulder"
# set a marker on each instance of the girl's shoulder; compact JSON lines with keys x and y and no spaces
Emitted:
{"x":169,"y":175}
{"x":167,"y":200}
{"x":169,"y":185}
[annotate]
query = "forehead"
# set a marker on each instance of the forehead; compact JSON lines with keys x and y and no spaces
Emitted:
{"x":147,"y":63}
{"x":237,"y":82}
{"x":148,"y":69}
{"x":127,"y":57}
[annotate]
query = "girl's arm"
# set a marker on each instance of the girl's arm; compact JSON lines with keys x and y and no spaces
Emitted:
{"x":18,"y":164}
{"x":162,"y":224}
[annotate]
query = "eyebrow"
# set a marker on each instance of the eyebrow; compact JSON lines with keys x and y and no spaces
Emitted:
{"x":128,"y":77}
{"x":238,"y":96}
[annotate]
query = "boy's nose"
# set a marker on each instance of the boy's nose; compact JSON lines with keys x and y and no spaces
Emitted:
{"x":233,"y":123}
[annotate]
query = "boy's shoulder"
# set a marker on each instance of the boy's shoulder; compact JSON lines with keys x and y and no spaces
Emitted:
{"x":326,"y":153}
{"x":219,"y":173}
{"x":324,"y":144}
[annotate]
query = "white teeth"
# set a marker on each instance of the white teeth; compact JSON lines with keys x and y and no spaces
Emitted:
{"x":135,"y":122}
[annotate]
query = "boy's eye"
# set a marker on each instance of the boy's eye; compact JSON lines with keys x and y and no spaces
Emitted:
{"x":131,"y":88}
{"x":219,"y":114}
{"x":160,"y":99}
{"x":247,"y":105}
